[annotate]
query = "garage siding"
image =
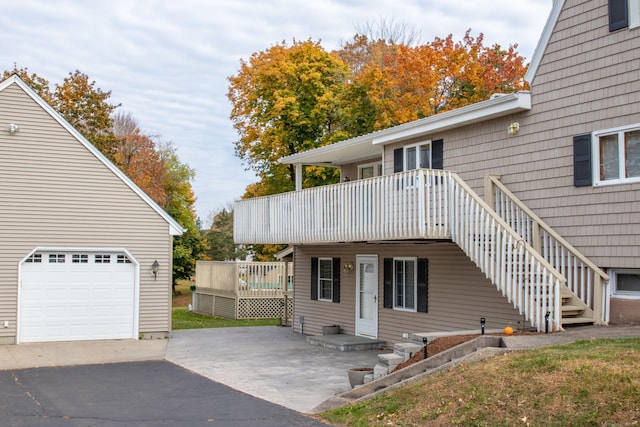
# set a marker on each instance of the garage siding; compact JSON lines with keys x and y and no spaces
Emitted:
{"x":56,"y":193}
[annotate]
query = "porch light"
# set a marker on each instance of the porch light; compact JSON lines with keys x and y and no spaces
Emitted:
{"x":513,"y":128}
{"x":154,"y":269}
{"x":348,"y":266}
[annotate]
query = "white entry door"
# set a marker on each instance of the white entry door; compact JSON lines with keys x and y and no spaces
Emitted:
{"x":367,"y":295}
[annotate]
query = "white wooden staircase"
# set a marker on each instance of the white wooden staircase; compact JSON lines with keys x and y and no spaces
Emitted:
{"x":583,"y":297}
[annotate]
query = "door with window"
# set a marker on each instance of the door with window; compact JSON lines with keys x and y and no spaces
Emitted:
{"x":367,"y":296}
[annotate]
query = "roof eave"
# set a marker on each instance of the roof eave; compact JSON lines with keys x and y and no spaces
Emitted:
{"x":499,"y":106}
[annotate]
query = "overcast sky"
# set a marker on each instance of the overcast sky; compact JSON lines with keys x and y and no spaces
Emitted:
{"x":167,"y":61}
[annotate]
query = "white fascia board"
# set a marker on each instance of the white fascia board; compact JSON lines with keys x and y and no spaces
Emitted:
{"x":543,"y":41}
{"x":499,"y":106}
{"x":175,"y":229}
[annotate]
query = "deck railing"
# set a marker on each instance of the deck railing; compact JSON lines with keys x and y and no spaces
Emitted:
{"x":243,"y":278}
{"x":512,"y":265}
{"x":419,"y":204}
{"x":584,"y":278}
{"x":408,"y":205}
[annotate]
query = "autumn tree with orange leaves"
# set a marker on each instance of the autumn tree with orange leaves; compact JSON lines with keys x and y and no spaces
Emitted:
{"x":289,"y":99}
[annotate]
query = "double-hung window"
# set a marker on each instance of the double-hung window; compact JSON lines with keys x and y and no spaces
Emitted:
{"x":617,"y":155}
{"x":404,"y":283}
{"x":325,"y":279}
{"x":417,"y":156}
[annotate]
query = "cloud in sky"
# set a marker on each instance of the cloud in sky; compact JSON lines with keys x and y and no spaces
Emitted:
{"x":167,"y":62}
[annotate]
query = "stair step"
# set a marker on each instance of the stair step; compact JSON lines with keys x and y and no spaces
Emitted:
{"x":567,"y":309}
{"x":577,"y":320}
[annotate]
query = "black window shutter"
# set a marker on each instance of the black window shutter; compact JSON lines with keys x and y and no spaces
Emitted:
{"x":437,"y":151}
{"x":388,"y":283}
{"x":336,"y":280}
{"x":423,"y":285}
{"x":582,"y":168}
{"x":398,"y":160}
{"x":314,"y":278}
{"x":618,"y":16}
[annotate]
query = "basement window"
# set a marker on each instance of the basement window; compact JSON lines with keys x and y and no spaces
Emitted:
{"x":625,"y":283}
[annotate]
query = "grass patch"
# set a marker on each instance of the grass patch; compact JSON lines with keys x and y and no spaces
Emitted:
{"x":184,"y":319}
{"x":587,"y":383}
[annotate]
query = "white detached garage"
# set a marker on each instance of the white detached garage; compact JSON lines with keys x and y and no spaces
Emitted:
{"x":78,"y":239}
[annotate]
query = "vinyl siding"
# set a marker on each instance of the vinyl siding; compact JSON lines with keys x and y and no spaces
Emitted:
{"x":588,"y":80}
{"x":459,"y":294}
{"x":55,"y":192}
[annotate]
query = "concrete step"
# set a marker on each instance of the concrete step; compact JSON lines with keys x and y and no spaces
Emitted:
{"x":344,"y":342}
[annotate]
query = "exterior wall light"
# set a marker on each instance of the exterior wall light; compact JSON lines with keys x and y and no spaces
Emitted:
{"x":154,"y":269}
{"x":513,"y":128}
{"x":13,"y":128}
{"x":348,"y":266}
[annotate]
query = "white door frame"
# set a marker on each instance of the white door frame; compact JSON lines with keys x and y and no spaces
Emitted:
{"x":367,"y":327}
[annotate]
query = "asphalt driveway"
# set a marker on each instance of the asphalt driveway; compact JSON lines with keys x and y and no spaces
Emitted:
{"x":153,"y":393}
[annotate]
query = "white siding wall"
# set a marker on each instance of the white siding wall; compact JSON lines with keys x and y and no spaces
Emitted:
{"x":54,"y":192}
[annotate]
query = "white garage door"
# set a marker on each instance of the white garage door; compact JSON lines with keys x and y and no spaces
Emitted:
{"x":69,"y":296}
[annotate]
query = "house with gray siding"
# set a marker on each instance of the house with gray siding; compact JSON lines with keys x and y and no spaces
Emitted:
{"x":521,"y":210}
{"x":78,"y":239}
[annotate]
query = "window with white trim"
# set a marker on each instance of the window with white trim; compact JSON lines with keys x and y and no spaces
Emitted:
{"x":404,"y":283}
{"x":34,"y":258}
{"x":56,"y":258}
{"x":325,"y":279}
{"x":616,"y":155}
{"x":369,"y":170}
{"x":417,"y":156}
{"x":625,"y":283}
{"x":123,"y":259}
{"x":79,"y":258}
{"x":102,"y":259}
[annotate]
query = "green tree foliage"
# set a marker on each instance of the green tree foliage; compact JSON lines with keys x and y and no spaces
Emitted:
{"x":219,"y":238}
{"x":190,"y":246}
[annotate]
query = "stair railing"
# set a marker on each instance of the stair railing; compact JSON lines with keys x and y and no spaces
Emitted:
{"x":583,"y":277}
{"x":523,"y":276}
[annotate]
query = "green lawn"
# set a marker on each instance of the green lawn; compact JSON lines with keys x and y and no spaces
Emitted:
{"x":185,"y":319}
{"x":588,"y":383}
